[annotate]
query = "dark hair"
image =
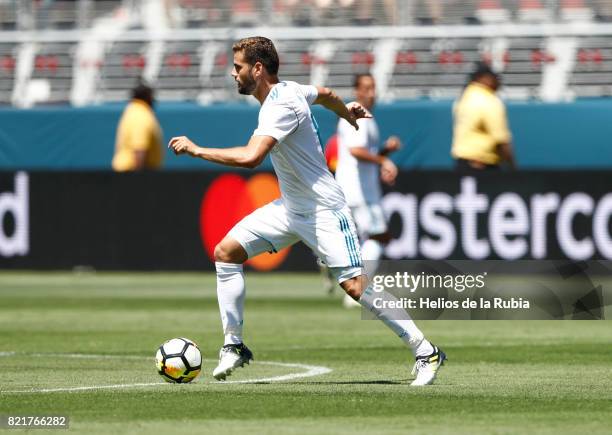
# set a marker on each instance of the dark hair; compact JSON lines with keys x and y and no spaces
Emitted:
{"x":143,"y":92}
{"x":259,"y":49}
{"x":358,"y":77}
{"x":482,"y":69}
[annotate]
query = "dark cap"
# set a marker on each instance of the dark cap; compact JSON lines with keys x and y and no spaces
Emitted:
{"x":143,"y":91}
{"x":483,"y":69}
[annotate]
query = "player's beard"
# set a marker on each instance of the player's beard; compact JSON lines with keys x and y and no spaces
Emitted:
{"x":247,"y":86}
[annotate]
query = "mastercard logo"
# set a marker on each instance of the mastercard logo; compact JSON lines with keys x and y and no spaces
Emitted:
{"x":230,"y":198}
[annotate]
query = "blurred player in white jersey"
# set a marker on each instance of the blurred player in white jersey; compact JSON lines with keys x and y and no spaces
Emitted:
{"x":311,"y":208}
{"x":362,"y":163}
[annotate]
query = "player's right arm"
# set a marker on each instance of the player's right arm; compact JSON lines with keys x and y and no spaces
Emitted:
{"x":249,"y":156}
{"x":388,"y":169}
{"x":356,"y":143}
{"x":495,"y":120}
{"x":351,"y":111}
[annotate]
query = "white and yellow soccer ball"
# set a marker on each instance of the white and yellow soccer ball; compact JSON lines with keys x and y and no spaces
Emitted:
{"x":178,"y":360}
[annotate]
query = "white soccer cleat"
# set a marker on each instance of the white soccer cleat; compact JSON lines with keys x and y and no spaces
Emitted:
{"x":231,"y":356}
{"x":426,"y":367}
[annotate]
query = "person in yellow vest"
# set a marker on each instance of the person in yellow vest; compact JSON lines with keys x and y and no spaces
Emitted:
{"x":481,"y":137}
{"x":138,"y":144}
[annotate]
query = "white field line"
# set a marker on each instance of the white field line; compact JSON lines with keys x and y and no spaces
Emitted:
{"x":310,"y":371}
{"x":88,"y":388}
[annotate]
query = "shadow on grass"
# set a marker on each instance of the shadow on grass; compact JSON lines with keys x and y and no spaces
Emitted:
{"x":370,"y":382}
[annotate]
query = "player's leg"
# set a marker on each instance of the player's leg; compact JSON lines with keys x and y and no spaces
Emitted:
{"x":329,"y":283}
{"x":264,"y":230}
{"x":362,"y":219}
{"x":428,"y":357}
{"x":372,"y":229}
{"x":229,"y":257}
{"x":397,"y":319}
{"x":336,"y":242}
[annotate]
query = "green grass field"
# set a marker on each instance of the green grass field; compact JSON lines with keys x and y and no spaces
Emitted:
{"x":78,"y":345}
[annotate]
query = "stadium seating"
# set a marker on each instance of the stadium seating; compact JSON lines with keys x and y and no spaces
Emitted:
{"x":123,"y":65}
{"x":183,"y":47}
{"x":7,"y":71}
{"x":53,"y":70}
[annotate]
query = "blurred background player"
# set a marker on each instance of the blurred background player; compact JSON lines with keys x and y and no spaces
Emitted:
{"x":361,"y":164}
{"x":138,"y":144}
{"x":481,"y":137}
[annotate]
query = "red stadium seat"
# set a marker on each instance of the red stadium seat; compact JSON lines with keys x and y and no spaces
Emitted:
{"x":179,"y":60}
{"x":46,"y":63}
{"x":221,"y":59}
{"x":7,"y":63}
{"x":491,"y":11}
{"x":586,"y":56}
{"x":450,"y":58}
{"x":406,"y":58}
{"x":576,"y":10}
{"x":539,"y":57}
{"x":308,"y":59}
{"x":136,"y":61}
{"x":533,"y":11}
{"x":362,"y":58}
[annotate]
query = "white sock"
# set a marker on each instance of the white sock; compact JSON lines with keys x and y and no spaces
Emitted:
{"x":398,"y":320}
{"x":371,"y":251}
{"x":230,"y":293}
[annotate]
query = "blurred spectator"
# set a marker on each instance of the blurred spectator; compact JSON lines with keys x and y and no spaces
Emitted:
{"x":42,"y":8}
{"x":421,"y":11}
{"x":364,"y":14}
{"x":244,"y":12}
{"x":138,"y":144}
{"x":603,"y":10}
{"x":481,"y":138}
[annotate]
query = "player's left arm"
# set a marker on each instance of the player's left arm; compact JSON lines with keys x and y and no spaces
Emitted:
{"x":392,"y":144}
{"x":506,"y":152}
{"x":496,"y":122}
{"x":351,"y":111}
{"x":249,"y":156}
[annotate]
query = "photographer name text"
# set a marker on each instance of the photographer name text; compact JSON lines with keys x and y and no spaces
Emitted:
{"x":442,"y":303}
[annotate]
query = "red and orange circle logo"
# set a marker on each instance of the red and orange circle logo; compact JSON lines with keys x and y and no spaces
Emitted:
{"x":230,"y":198}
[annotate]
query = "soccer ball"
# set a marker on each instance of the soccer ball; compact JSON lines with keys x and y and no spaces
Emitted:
{"x":178,"y":360}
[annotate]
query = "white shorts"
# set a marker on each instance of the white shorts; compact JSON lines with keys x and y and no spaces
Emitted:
{"x":369,"y":219}
{"x":330,"y":234}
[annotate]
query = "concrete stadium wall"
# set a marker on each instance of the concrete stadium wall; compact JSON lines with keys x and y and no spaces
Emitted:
{"x":547,"y":136}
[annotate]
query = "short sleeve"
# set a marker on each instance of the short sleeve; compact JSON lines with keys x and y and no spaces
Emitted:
{"x":496,"y":122}
{"x":276,"y":120}
{"x":351,"y":138}
{"x":310,"y":93}
{"x":141,"y":132}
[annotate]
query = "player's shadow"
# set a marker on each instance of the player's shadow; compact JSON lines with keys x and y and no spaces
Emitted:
{"x":370,"y":382}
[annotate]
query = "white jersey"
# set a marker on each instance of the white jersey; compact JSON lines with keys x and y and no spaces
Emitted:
{"x":359,"y":180}
{"x":305,"y":182}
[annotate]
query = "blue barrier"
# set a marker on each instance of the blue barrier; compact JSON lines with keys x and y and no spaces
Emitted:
{"x":574,"y":135}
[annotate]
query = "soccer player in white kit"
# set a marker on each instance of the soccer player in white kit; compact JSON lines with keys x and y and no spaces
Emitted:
{"x":311,"y":208}
{"x":360,"y":167}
